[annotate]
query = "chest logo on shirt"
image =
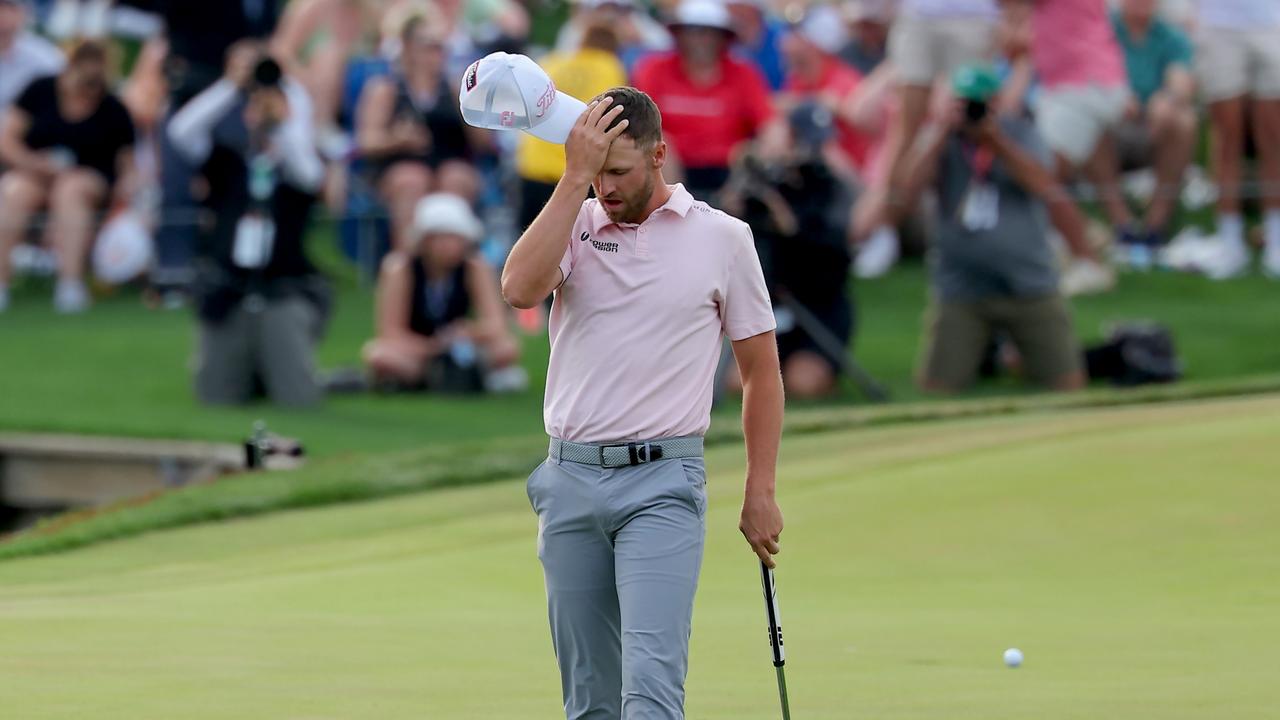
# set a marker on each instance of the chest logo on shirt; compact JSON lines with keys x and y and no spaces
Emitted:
{"x":599,"y":246}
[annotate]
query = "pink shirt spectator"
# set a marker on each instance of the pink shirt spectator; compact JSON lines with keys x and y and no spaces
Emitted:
{"x":636,"y":325}
{"x":1074,"y":44}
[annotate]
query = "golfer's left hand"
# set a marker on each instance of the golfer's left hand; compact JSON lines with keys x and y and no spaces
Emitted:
{"x":761,"y":525}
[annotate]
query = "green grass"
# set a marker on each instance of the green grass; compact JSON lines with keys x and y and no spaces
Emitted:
{"x":1129,"y":552}
{"x":123,"y":370}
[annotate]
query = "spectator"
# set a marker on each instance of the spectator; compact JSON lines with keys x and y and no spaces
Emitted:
{"x":316,"y":40}
{"x":1160,"y":121}
{"x":441,"y":322}
{"x":759,"y":38}
{"x":582,"y":74}
{"x":24,"y":56}
{"x":199,"y":36}
{"x":868,"y":23}
{"x":638,"y":34}
{"x":710,"y":101}
{"x":410,"y":130}
{"x":261,"y":304}
{"x":930,"y":40}
{"x":1238,"y":60}
{"x":1084,"y":273}
{"x":992,"y":267}
{"x":797,"y":209}
{"x":816,"y":74}
{"x":1082,"y":96}
{"x":68,"y":142}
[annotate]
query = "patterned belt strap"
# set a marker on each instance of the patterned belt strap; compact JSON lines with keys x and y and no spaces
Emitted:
{"x":624,"y":454}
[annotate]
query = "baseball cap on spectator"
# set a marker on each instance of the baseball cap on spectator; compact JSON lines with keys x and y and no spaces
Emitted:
{"x":510,"y":92}
{"x":823,"y":26}
{"x":976,"y":81}
{"x":702,"y":14}
{"x":446,"y":214}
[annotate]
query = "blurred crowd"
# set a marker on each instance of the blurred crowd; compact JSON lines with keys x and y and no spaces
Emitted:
{"x":188,"y":145}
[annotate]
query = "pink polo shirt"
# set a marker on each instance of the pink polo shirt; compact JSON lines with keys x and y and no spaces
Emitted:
{"x":1075,"y":45}
{"x":636,"y":325}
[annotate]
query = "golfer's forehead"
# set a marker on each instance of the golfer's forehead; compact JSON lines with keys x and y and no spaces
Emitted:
{"x":623,"y":153}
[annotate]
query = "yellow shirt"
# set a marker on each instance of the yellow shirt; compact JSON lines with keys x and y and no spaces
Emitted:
{"x":583,"y":75}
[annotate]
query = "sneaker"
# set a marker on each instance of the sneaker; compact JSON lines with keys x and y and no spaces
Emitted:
{"x":878,"y":254}
{"x":1087,"y":277}
{"x":70,"y":297}
{"x":1270,"y":262}
{"x":1224,"y":262}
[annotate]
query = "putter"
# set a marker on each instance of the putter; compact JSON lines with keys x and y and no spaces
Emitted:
{"x":775,"y":634}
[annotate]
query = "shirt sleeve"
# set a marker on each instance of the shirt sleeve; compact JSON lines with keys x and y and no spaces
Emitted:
{"x":745,"y":309}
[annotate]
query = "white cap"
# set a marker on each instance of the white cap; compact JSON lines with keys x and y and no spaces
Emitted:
{"x":510,"y":92}
{"x":703,"y":13}
{"x":446,"y":214}
{"x":823,"y":26}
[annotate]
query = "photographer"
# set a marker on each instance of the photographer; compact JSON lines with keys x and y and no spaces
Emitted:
{"x":993,"y":269}
{"x":260,"y":302}
{"x":797,"y":209}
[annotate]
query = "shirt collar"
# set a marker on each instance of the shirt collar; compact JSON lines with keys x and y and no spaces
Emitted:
{"x":679,"y":203}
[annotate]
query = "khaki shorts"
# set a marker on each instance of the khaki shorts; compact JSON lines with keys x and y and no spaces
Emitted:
{"x":1073,"y":119}
{"x":1234,"y":63}
{"x":923,"y":49}
{"x":957,"y":335}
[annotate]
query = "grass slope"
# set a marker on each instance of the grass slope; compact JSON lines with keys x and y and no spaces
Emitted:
{"x":122,"y":370}
{"x":1128,"y":552}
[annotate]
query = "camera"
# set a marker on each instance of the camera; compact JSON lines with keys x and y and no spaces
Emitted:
{"x":266,"y":75}
{"x":975,"y":111}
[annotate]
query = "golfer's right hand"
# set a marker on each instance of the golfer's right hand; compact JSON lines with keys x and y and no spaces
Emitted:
{"x":761,"y":525}
{"x":589,"y":140}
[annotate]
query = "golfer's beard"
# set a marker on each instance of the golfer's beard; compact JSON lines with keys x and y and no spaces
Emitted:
{"x":633,"y":206}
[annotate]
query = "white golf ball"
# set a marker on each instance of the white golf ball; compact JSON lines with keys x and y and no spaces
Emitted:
{"x":1013,"y":657}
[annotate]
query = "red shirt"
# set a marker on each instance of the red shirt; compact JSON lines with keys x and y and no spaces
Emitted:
{"x":704,"y":123}
{"x":838,"y":80}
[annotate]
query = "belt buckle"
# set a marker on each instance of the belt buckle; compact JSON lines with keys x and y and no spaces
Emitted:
{"x":637,"y":454}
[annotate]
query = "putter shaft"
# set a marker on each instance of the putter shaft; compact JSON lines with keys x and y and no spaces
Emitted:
{"x":782,"y":692}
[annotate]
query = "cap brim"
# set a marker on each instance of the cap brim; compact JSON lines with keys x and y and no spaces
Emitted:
{"x":556,"y":128}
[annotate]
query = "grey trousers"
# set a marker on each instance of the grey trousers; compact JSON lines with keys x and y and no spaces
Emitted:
{"x":271,"y":343}
{"x":621,"y":549}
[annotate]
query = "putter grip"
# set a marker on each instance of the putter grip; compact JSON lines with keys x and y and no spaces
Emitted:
{"x":775,"y":620}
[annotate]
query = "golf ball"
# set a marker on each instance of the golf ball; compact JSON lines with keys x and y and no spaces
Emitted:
{"x":1013,"y":657}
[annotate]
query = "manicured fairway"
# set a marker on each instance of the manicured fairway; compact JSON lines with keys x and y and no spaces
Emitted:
{"x":1132,"y":554}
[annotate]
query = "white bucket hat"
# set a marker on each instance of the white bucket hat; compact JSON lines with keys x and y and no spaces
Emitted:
{"x":510,"y":92}
{"x":446,"y":214}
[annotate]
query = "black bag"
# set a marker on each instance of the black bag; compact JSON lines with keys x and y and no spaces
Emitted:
{"x":1136,"y":353}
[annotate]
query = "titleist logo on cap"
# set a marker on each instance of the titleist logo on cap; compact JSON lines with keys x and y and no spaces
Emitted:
{"x":471,"y":76}
{"x":548,"y":96}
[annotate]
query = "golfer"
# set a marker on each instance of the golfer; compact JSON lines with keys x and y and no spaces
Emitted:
{"x":646,"y":280}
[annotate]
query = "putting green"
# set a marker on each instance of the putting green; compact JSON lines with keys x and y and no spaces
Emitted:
{"x":1130,"y":553}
